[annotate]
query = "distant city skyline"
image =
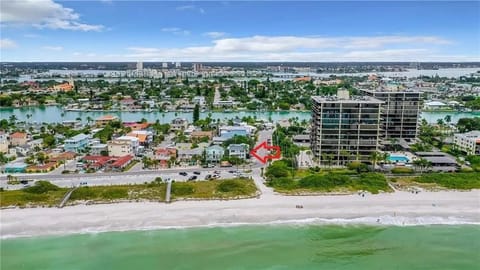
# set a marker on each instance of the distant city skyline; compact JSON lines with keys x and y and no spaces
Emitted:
{"x":312,"y":31}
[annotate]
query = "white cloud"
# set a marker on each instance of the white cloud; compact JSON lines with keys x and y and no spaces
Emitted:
{"x":6,"y":43}
{"x":310,"y":49}
{"x":215,"y":34}
{"x":191,"y":7}
{"x":43,"y":14}
{"x":31,"y":36}
{"x":53,"y":48}
{"x":176,"y":31}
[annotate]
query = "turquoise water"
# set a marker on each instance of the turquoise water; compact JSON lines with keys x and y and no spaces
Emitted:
{"x":53,"y":114}
{"x":253,"y":247}
{"x":398,"y":158}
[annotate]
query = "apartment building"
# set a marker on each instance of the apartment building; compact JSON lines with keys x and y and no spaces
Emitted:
{"x":345,"y":128}
{"x":122,"y":146}
{"x":400,"y":112}
{"x":468,"y":142}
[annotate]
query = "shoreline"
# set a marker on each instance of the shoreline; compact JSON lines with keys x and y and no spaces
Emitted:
{"x":388,"y":209}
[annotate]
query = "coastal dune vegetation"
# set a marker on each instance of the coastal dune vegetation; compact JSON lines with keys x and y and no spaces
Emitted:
{"x":46,"y":194}
{"x":284,"y":178}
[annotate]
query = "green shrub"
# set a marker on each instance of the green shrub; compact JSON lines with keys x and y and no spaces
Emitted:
{"x":182,"y":189}
{"x":357,"y":166}
{"x":372,"y":182}
{"x":277,"y":169}
{"x":230,"y":186}
{"x":115,"y":193}
{"x":282,"y":182}
{"x":83,"y":193}
{"x":452,"y":180}
{"x":41,"y":187}
{"x":327,"y":181}
{"x":402,"y":170}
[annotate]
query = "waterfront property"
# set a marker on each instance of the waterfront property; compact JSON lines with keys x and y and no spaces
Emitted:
{"x":76,"y":143}
{"x":400,"y":112}
{"x":468,"y":142}
{"x":104,"y":120}
{"x":345,"y":128}
{"x":178,"y":124}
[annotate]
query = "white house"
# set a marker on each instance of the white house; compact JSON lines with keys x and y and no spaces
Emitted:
{"x":468,"y":142}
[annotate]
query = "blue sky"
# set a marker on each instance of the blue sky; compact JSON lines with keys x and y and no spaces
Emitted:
{"x":319,"y":31}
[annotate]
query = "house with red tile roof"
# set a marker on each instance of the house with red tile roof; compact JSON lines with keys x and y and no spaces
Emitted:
{"x":18,"y":138}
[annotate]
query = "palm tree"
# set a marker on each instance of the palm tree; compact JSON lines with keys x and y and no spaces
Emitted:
{"x":374,"y":158}
{"x":13,"y":118}
{"x":448,"y":118}
{"x":89,"y":119}
{"x":344,"y":154}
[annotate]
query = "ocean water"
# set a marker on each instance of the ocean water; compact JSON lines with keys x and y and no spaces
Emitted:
{"x":253,"y":247}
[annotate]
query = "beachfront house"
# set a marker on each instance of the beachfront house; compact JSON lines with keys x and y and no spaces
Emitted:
{"x":214,"y":154}
{"x":238,"y":150}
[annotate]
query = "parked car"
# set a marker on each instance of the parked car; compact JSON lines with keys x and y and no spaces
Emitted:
{"x":193,"y":177}
{"x":183,"y":173}
{"x":197,"y":173}
{"x":208,"y":177}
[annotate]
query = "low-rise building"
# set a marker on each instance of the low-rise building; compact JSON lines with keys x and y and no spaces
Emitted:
{"x":76,"y":143}
{"x":120,"y":163}
{"x":99,"y":149}
{"x":18,"y":138}
{"x":468,"y":142}
{"x":104,"y":120}
{"x":17,"y":167}
{"x":122,"y":146}
{"x":179,"y":124}
{"x":198,"y":134}
{"x":145,"y":137}
{"x":214,"y":154}
{"x":73,"y":124}
{"x":238,"y":150}
{"x":200,"y":100}
{"x":164,"y":155}
{"x":3,"y":142}
{"x":38,"y":143}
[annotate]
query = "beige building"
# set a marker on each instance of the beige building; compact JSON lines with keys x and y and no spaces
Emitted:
{"x":18,"y":138}
{"x":468,"y":142}
{"x":3,"y":142}
{"x":122,"y":146}
{"x":104,"y":120}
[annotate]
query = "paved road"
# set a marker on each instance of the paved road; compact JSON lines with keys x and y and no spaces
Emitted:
{"x":71,"y":180}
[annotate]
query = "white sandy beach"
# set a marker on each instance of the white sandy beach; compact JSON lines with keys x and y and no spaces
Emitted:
{"x":399,"y":208}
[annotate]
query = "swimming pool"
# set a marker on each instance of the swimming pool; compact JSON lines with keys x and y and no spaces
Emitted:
{"x":398,"y":159}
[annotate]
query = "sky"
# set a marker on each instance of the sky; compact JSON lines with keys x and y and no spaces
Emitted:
{"x":310,"y":31}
